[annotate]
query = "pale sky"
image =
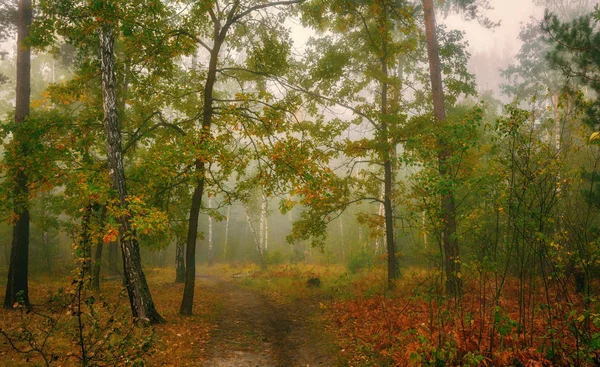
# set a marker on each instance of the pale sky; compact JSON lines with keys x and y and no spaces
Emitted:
{"x":511,"y":14}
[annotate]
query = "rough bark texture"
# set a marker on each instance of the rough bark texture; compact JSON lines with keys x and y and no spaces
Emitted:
{"x":449,"y":241}
{"x":142,"y":305}
{"x":19,"y":254}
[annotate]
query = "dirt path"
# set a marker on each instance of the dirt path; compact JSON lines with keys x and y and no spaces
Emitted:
{"x":255,"y":332}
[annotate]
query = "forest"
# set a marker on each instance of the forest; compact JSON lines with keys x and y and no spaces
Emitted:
{"x":298,"y":183}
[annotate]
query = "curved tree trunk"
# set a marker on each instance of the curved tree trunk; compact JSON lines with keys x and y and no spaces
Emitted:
{"x":142,"y":305}
{"x":219,"y":33}
{"x":187,"y":302}
{"x":17,"y":286}
{"x":449,"y":241}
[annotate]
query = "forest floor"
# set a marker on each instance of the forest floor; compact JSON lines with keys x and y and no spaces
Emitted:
{"x":253,"y":330}
{"x":235,"y":323}
{"x":245,"y":316}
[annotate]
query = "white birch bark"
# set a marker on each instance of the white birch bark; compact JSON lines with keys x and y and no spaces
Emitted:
{"x":253,"y":232}
{"x":263,"y":223}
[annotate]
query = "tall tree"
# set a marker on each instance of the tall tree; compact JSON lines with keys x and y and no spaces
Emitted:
{"x":471,"y":8}
{"x":94,"y":28}
{"x":222,"y":17}
{"x":362,"y":57}
{"x":448,"y":206}
{"x":140,"y":299}
{"x":17,"y":284}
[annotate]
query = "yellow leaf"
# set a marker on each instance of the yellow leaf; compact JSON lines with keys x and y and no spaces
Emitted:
{"x":595,"y":136}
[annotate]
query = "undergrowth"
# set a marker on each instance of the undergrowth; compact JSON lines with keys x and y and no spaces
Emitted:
{"x":416,"y":324}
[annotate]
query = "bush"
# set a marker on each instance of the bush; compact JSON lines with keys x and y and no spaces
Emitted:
{"x":78,"y":325}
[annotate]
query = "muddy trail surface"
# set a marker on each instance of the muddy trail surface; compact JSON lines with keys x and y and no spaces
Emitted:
{"x":253,"y":331}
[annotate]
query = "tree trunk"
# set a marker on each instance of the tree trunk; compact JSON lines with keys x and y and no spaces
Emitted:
{"x":187,"y":302}
{"x":263,"y":226}
{"x":179,"y":262}
{"x":381,"y":214}
{"x":259,"y":249}
{"x":17,"y":285}
{"x":449,"y":241}
{"x":388,"y":178}
{"x":142,"y":305}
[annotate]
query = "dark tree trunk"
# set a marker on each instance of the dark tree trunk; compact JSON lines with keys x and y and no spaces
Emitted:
{"x":142,"y":305}
{"x":388,"y":181}
{"x":17,"y":283}
{"x":179,"y":262}
{"x":449,"y":241}
{"x":187,"y":302}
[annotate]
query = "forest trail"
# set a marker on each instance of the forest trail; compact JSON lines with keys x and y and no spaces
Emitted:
{"x":253,"y":331}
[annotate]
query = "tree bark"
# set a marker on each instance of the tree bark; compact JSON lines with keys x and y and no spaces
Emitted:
{"x":219,"y":34}
{"x":263,"y":227}
{"x":142,"y":305}
{"x":17,"y":286}
{"x":448,"y":207}
{"x":256,"y":238}
{"x":190,"y":254}
{"x":387,"y":181}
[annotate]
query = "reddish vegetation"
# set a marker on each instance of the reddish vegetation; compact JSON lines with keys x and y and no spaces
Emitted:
{"x":411,"y":326}
{"x":415,"y":327}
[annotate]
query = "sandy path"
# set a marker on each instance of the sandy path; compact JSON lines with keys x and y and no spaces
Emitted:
{"x":255,"y":332}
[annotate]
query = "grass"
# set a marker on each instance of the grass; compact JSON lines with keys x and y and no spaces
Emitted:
{"x":416,"y":324}
{"x":413,"y":325}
